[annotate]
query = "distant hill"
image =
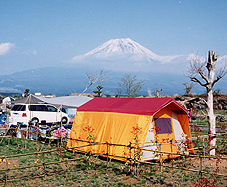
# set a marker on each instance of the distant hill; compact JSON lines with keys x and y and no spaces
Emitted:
{"x":116,"y":57}
{"x":10,"y":94}
{"x":67,"y":80}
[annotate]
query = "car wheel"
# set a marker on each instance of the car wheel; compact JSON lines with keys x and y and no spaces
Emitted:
{"x":35,"y":120}
{"x":64,"y":120}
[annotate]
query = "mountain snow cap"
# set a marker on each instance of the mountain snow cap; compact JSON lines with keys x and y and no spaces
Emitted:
{"x":124,"y":47}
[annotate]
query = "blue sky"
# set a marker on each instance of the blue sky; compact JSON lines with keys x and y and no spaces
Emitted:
{"x":43,"y":33}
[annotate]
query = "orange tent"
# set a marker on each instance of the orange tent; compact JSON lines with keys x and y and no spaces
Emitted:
{"x":150,"y":124}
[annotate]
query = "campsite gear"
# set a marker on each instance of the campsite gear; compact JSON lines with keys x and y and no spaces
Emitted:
{"x":153,"y":124}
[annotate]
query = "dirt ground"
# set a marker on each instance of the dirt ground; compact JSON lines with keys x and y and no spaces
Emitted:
{"x":215,"y":165}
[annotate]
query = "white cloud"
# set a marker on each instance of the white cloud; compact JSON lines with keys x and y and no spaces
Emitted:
{"x":5,"y":48}
{"x":30,"y":52}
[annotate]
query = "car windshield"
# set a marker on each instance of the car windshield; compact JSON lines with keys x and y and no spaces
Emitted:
{"x":18,"y":108}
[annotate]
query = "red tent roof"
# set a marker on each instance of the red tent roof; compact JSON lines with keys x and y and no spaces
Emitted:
{"x":142,"y":106}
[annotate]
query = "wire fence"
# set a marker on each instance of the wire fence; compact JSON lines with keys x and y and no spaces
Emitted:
{"x":43,"y":162}
{"x":47,"y":160}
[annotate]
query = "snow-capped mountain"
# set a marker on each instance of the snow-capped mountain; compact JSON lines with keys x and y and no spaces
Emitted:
{"x":117,"y":56}
{"x":124,"y":47}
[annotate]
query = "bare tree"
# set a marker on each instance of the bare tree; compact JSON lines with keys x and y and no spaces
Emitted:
{"x":188,"y":87}
{"x":92,"y":78}
{"x":130,"y":85}
{"x":157,"y":92}
{"x":206,"y":72}
{"x":149,"y":92}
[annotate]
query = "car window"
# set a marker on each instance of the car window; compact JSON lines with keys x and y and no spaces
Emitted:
{"x":51,"y":108}
{"x":38,"y":108}
{"x":63,"y":110}
{"x":18,"y":108}
{"x":32,"y":107}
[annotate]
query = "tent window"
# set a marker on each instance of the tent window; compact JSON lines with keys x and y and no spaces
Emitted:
{"x":163,"y":125}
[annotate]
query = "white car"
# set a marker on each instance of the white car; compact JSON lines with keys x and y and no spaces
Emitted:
{"x":37,"y":113}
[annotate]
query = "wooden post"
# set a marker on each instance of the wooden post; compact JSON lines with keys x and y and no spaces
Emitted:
{"x":204,"y":151}
{"x":135,"y":165}
{"x":7,"y":167}
{"x":161,"y":157}
{"x":107,"y":152}
{"x":171,"y":151}
{"x":130,"y":148}
{"x":44,"y":167}
{"x":201,"y":165}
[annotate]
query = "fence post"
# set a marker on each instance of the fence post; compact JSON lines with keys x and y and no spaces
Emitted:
{"x":130,"y":158}
{"x":7,"y":167}
{"x":44,"y":167}
{"x":160,"y":157}
{"x":107,"y":152}
{"x":201,"y":165}
{"x":204,"y":153}
{"x":135,"y":165}
{"x":171,"y":141}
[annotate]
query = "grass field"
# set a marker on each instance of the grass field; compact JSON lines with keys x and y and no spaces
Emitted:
{"x":31,"y":163}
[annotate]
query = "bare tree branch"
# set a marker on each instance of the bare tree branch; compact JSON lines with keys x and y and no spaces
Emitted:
{"x":93,"y":79}
{"x":188,"y":87}
{"x":202,"y":74}
{"x":216,"y":80}
{"x":222,"y":70}
{"x":130,"y":84}
{"x":196,"y":64}
{"x":194,"y":79}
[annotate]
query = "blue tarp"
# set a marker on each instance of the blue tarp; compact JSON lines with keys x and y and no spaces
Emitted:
{"x":2,"y":119}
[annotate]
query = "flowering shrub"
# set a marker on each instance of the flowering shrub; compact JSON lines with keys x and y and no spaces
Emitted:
{"x":61,"y":133}
{"x":203,"y":182}
{"x":88,"y":129}
{"x":136,"y":130}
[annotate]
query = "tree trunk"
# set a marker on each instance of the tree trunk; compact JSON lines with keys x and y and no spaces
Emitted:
{"x":210,"y":100}
{"x":211,"y":121}
{"x":197,"y":67}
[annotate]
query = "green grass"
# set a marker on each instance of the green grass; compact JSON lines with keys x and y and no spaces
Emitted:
{"x":90,"y":171}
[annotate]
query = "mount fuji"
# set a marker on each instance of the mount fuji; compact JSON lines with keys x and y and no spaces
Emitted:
{"x":127,"y":55}
{"x":124,"y":47}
